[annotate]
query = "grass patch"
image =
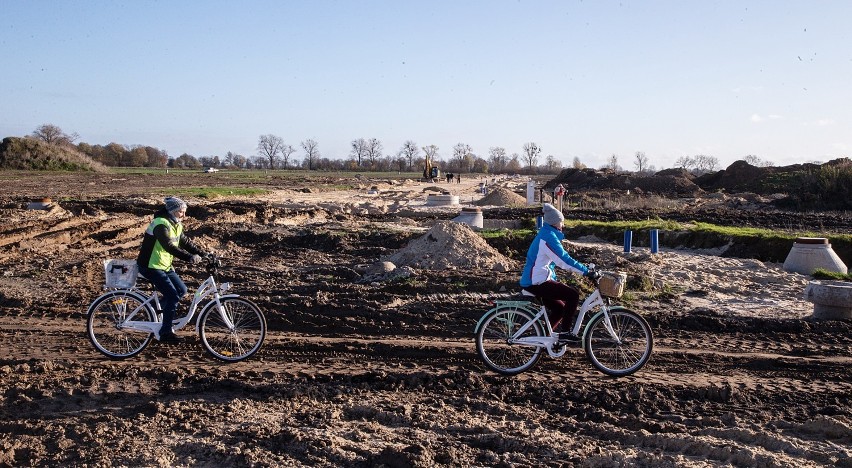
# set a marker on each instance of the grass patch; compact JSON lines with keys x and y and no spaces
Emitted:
{"x":822,"y":274}
{"x":214,"y":192}
{"x":631,"y":225}
{"x":505,"y":233}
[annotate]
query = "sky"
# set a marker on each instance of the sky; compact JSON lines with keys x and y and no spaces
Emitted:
{"x":581,"y":79}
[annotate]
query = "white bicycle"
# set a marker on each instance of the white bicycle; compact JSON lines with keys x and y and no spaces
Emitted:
{"x":123,"y":321}
{"x":511,"y":337}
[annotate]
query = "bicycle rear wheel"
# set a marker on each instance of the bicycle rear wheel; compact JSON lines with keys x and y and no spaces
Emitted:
{"x":622,"y":356}
{"x":493,"y":341}
{"x":237,"y":343}
{"x":106,"y":320}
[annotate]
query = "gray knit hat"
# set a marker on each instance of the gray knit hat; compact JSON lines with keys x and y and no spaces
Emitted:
{"x":174,"y":204}
{"x":552,"y":216}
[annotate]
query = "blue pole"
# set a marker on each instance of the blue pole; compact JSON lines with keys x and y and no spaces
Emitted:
{"x":539,"y":222}
{"x":655,"y":240}
{"x":628,"y":239}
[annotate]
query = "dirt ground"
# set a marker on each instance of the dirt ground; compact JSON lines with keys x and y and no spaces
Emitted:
{"x":364,"y":366}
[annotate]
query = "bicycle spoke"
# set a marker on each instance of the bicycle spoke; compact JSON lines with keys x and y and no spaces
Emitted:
{"x":232,"y":343}
{"x":105,"y":325}
{"x":494,"y":345}
{"x":625,"y":353}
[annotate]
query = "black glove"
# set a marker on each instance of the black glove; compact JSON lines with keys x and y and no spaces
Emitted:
{"x":593,"y":273}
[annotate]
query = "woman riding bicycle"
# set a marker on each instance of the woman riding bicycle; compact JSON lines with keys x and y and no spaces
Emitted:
{"x":539,"y":276}
{"x":164,"y":240}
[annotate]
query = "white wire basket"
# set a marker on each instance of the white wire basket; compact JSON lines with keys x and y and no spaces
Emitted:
{"x":120,"y":273}
{"x":612,"y":283}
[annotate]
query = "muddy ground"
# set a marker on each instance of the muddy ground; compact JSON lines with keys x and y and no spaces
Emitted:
{"x":364,"y":373}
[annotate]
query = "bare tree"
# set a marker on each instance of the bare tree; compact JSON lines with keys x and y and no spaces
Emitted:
{"x":461,"y":154}
{"x":552,"y":163}
{"x":685,"y":162}
{"x":613,"y":163}
{"x":311,"y":152}
{"x":374,"y":151}
{"x":286,"y":152}
{"x":756,"y":161}
{"x":705,"y":163}
{"x":431,"y":152}
{"x":577,"y":164}
{"x":268,"y":147}
{"x":359,"y":149}
{"x":409,"y":152}
{"x":54,"y":135}
{"x":531,"y":152}
{"x":641,"y":162}
{"x":497,"y":159}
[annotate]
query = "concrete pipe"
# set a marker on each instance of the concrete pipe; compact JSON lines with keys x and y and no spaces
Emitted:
{"x":470,"y":216}
{"x":810,"y":253}
{"x":832,"y":299}
{"x":442,"y":200}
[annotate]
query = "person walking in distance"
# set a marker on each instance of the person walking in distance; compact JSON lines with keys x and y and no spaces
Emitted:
{"x":163,"y":241}
{"x":539,"y":275}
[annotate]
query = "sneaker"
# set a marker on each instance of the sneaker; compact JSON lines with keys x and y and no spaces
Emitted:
{"x":567,"y":337}
{"x":170,"y":338}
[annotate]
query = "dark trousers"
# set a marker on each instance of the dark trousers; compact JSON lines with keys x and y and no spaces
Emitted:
{"x":171,"y":287}
{"x":561,"y":301}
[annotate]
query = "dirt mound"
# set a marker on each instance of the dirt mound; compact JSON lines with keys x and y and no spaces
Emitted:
{"x":450,"y":246}
{"x":671,"y":183}
{"x":502,"y":197}
{"x":29,"y":154}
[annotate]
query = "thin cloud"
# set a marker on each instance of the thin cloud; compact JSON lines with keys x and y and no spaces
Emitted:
{"x":757,"y":118}
{"x":820,"y":123}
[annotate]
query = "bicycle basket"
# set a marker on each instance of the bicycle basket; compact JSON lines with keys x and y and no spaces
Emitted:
{"x":120,"y":273}
{"x":612,"y":283}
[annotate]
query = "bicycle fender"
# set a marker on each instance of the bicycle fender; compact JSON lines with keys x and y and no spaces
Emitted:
{"x":479,"y":323}
{"x":600,"y":312}
{"x":209,"y":305}
{"x":504,"y":305}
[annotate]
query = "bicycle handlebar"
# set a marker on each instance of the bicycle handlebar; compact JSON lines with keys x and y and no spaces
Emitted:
{"x":212,"y":263}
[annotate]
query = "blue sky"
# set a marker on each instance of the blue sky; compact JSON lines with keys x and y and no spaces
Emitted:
{"x":584,"y":79}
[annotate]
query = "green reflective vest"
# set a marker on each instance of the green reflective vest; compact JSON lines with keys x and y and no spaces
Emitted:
{"x":161,"y":259}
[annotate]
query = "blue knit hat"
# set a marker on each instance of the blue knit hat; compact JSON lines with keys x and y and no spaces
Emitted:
{"x":174,"y":204}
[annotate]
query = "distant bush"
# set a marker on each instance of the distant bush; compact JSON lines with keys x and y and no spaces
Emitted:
{"x":827,"y":187}
{"x":32,"y":154}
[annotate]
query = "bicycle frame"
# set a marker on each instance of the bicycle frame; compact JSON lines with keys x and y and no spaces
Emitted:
{"x":540,"y":314}
{"x":205,"y":290}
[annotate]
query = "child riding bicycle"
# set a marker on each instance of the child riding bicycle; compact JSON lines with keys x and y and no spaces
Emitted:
{"x":539,"y":274}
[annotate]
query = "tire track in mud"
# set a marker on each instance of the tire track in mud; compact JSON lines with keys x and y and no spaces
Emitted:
{"x":367,"y":374}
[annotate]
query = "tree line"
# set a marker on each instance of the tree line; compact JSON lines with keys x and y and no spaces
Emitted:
{"x":366,"y":154}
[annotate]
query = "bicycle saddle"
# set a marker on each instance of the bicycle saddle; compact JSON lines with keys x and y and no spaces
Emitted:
{"x":530,"y":296}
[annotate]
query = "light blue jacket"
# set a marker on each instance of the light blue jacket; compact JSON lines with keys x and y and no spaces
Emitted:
{"x":545,"y":254}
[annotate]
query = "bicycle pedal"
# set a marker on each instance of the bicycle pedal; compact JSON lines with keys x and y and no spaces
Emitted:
{"x":567,"y":338}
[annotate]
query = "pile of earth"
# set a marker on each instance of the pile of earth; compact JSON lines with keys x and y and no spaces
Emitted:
{"x":502,"y":197}
{"x":451,"y":246}
{"x":671,"y":182}
{"x":32,"y":154}
{"x":738,"y":177}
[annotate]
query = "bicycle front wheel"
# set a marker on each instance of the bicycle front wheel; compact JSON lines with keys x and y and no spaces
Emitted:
{"x":106,"y":324}
{"x":232,"y":344}
{"x":624,"y":353}
{"x":493,"y":341}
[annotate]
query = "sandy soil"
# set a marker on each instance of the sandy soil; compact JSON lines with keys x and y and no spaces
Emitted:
{"x":370,"y":364}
